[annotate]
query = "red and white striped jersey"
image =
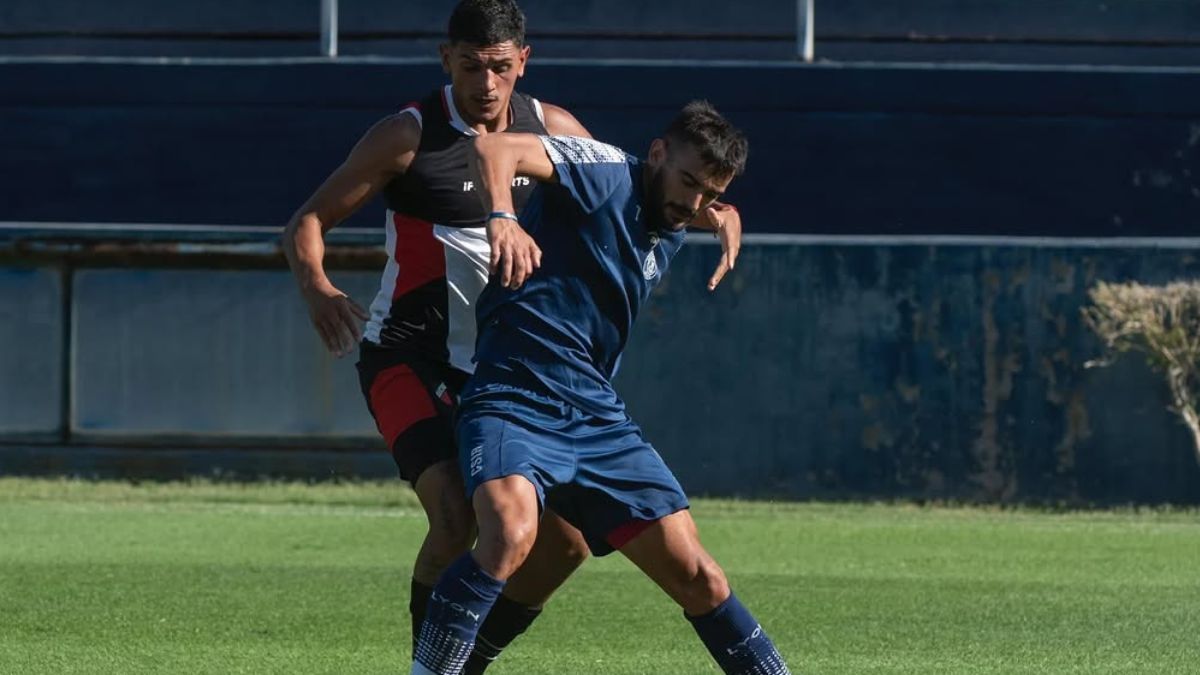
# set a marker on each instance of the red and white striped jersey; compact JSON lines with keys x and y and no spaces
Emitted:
{"x":437,"y":247}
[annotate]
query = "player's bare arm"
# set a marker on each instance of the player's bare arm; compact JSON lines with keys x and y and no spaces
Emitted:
{"x":379,"y":156}
{"x":559,"y":122}
{"x":495,"y":160}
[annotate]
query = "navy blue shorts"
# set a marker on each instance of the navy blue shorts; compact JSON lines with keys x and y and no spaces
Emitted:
{"x":599,"y":475}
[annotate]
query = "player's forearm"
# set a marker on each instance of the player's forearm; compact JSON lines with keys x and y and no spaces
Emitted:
{"x":493,"y":162}
{"x":303,"y":245}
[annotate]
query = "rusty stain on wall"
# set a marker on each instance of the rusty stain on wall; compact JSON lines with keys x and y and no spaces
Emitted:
{"x":998,"y":370}
{"x":1078,"y":430}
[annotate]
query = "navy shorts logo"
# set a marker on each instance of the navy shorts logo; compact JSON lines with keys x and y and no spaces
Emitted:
{"x":476,"y":459}
{"x":650,"y":267}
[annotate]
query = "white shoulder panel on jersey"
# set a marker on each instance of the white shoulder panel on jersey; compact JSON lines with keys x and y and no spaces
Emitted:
{"x":537,"y":107}
{"x":576,"y":150}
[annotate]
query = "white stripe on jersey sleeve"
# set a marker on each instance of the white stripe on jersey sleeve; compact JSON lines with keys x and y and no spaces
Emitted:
{"x":416,"y":113}
{"x":537,"y":107}
{"x":575,"y":150}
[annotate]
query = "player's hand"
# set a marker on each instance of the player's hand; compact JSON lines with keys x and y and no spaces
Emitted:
{"x":514,"y":253}
{"x":337,"y":318}
{"x":726,"y":225}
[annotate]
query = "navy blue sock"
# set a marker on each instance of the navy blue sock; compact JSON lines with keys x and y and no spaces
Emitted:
{"x":737,"y":641}
{"x":457,"y":606}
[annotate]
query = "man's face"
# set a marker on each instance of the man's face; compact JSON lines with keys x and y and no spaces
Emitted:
{"x":483,"y":77}
{"x":681,"y":184}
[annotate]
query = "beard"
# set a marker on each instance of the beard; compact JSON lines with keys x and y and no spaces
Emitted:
{"x":664,"y":215}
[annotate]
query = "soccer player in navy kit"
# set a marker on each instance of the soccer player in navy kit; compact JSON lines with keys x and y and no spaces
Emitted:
{"x":539,"y":422}
{"x":417,"y":345}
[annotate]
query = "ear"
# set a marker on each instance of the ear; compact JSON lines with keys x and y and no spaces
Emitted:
{"x":658,"y":152}
{"x":522,"y":59}
{"x":444,"y":50}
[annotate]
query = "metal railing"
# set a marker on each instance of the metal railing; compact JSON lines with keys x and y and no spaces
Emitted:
{"x":329,"y":28}
{"x":805,"y":38}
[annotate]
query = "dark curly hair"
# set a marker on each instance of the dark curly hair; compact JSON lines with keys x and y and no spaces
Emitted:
{"x":487,"y":22}
{"x":721,"y":146}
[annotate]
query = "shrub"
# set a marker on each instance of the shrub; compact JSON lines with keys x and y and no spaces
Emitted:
{"x":1161,"y":322}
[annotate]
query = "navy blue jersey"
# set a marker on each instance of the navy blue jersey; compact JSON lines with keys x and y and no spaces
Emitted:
{"x":564,"y":330}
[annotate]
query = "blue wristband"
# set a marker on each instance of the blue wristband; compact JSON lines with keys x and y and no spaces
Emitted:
{"x":503,"y":214}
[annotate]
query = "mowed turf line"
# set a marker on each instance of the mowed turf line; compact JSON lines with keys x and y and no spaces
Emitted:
{"x":204,"y":578}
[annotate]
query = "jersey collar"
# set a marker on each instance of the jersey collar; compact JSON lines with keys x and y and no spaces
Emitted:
{"x":456,"y":119}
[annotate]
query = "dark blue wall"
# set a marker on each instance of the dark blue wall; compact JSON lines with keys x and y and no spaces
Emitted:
{"x":830,"y":369}
{"x":1162,"y":32}
{"x":1151,"y":20}
{"x":836,"y":149}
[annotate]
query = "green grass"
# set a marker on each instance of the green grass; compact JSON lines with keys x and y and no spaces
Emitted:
{"x":286,"y":578}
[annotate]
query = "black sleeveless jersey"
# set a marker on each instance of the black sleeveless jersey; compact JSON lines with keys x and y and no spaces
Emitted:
{"x":437,"y":247}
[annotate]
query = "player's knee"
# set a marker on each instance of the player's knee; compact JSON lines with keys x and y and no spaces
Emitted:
{"x":452,"y":527}
{"x":442,"y":548}
{"x":702,"y":586}
{"x":516,"y":536}
{"x":712,"y":586}
{"x":503,"y":547}
{"x":451,"y":520}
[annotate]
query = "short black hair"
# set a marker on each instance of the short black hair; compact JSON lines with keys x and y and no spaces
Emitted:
{"x":487,"y":22}
{"x":722,"y":147}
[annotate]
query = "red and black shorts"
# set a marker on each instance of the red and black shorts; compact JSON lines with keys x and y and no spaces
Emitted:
{"x":413,"y":402}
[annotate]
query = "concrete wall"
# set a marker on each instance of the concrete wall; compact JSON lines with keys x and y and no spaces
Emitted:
{"x":821,"y":369}
{"x":219,"y":354}
{"x":887,"y":370}
{"x":31,"y":352}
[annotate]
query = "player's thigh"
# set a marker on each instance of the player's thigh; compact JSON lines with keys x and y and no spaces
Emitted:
{"x":414,"y":423}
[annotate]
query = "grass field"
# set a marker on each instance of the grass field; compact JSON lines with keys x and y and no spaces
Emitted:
{"x":209,"y":578}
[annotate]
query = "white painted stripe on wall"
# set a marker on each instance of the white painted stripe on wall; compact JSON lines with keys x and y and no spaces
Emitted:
{"x":936,"y":240}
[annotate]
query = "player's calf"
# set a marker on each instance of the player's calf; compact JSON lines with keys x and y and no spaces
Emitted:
{"x":506,"y":510}
{"x":669,"y":552}
{"x":737,"y":641}
{"x":558,"y":551}
{"x":451,"y":531}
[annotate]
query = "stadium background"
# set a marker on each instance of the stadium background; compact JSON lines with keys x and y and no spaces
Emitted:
{"x":904,"y":320}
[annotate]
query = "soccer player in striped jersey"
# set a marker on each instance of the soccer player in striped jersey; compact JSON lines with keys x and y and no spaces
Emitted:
{"x":416,"y":349}
{"x":540,"y":424}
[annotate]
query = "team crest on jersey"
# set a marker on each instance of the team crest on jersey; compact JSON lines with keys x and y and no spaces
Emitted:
{"x":650,"y":266}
